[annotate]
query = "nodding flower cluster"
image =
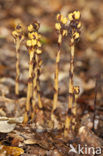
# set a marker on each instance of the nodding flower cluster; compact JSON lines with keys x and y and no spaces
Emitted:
{"x":18,"y":33}
{"x":69,"y":26}
{"x":33,"y":41}
{"x":61,"y":26}
{"x":75,"y":25}
{"x":76,"y":90}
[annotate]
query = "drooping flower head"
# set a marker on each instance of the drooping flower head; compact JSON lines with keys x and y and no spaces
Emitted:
{"x":34,"y":37}
{"x":74,"y":26}
{"x":69,"y":26}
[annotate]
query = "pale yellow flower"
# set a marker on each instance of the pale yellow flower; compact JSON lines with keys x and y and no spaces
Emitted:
{"x":58,"y":26}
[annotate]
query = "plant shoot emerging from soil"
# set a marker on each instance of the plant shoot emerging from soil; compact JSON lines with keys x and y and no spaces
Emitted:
{"x":62,"y":32}
{"x":34,"y":47}
{"x":74,"y":34}
{"x":18,"y":36}
{"x":36,"y":74}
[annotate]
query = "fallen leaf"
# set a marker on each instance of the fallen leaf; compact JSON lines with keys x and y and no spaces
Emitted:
{"x":8,"y":150}
{"x":6,"y":127}
{"x":8,"y":124}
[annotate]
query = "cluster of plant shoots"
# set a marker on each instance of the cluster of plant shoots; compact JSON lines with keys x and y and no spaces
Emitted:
{"x":68,"y":27}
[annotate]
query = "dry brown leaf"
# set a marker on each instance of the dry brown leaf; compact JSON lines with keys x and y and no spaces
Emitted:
{"x":9,"y":150}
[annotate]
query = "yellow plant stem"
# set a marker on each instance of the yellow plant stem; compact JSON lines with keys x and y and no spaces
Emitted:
{"x":29,"y":90}
{"x":34,"y":88}
{"x":38,"y":82}
{"x":17,"y":66}
{"x":74,"y":111}
{"x":56,"y":83}
{"x":71,"y":92}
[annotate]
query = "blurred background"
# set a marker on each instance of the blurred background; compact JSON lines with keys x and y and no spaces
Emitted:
{"x":89,"y":49}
